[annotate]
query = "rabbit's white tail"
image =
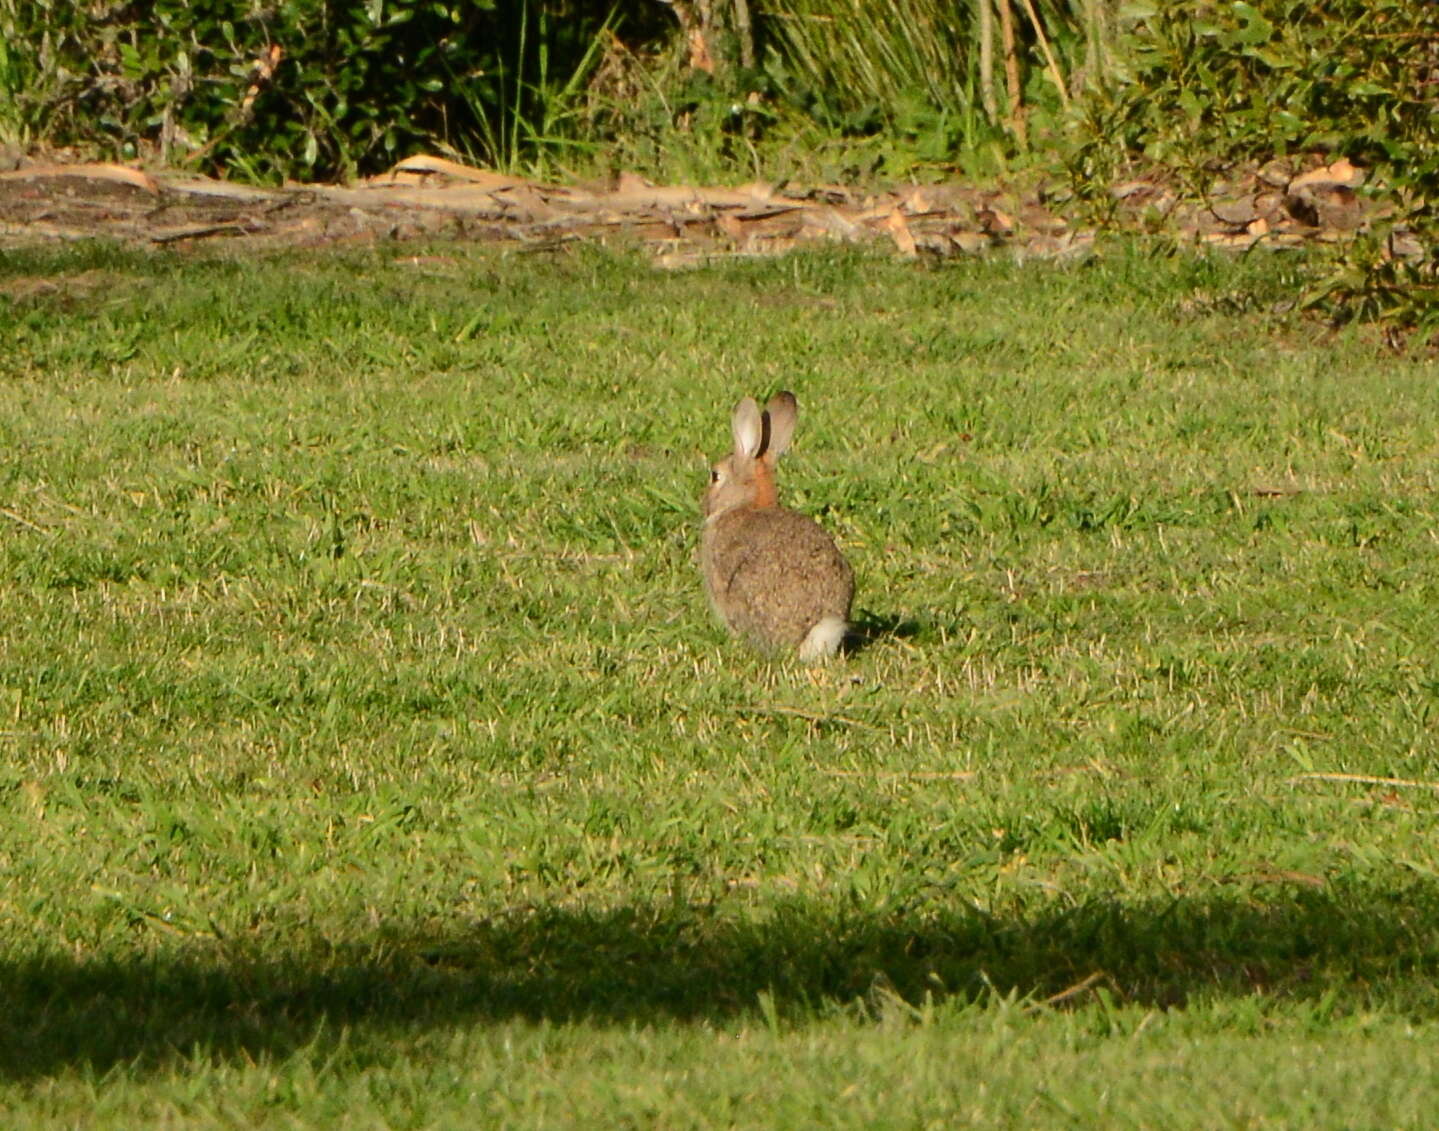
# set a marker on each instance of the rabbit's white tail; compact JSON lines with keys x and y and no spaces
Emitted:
{"x":823,"y":639}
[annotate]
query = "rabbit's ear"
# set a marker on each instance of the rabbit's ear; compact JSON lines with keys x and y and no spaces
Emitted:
{"x":748,"y":429}
{"x":781,"y":414}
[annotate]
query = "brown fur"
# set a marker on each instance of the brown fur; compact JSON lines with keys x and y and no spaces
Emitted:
{"x":766,"y":493}
{"x":771,"y":574}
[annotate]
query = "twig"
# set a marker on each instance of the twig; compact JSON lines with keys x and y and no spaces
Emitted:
{"x":916,"y":775}
{"x":810,"y":716}
{"x":1365,"y":779}
{"x":1011,"y":72}
{"x":744,"y":31}
{"x":1049,"y":59}
{"x":1073,"y":991}
{"x":986,"y":60}
{"x":21,"y":519}
{"x":199,"y":231}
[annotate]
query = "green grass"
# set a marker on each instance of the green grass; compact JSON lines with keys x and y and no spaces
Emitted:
{"x":370,"y":760}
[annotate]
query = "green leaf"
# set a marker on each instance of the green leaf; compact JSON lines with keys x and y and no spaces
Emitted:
{"x":1256,"y":28}
{"x":1269,"y":57}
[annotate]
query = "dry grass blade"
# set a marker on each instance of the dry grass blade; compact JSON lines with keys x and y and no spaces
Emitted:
{"x":1068,"y":994}
{"x":904,"y":775}
{"x":21,"y":519}
{"x":1011,"y":72}
{"x":986,"y":61}
{"x":1364,"y":779}
{"x":1049,"y":60}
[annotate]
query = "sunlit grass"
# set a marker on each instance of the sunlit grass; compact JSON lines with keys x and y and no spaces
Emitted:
{"x":369,"y":754}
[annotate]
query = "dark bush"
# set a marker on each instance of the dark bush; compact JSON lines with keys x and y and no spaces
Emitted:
{"x":1206,"y":86}
{"x":300,"y":88}
{"x":1204,"y":82}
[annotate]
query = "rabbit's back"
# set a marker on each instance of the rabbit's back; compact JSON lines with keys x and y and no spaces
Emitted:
{"x":773,"y":574}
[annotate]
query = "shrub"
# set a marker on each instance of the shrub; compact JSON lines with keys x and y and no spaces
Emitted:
{"x":1202,"y":83}
{"x":303,"y":88}
{"x":1202,"y":87}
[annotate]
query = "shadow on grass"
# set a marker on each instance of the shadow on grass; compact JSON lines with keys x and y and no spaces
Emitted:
{"x":1352,"y":947}
{"x":867,"y":628}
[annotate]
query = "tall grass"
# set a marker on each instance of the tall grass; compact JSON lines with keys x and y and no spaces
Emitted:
{"x":308,"y":91}
{"x":536,"y":119}
{"x":12,"y":78}
{"x":514,"y":85}
{"x":860,"y":54}
{"x":980,"y":65}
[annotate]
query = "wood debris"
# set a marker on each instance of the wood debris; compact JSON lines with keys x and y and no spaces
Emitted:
{"x":433,"y":197}
{"x":429,"y":197}
{"x":1277,"y":204}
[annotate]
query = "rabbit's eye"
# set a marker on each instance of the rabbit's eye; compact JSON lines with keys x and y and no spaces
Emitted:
{"x":714,"y":475}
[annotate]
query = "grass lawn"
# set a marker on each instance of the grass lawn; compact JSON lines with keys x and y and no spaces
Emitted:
{"x":370,"y":758}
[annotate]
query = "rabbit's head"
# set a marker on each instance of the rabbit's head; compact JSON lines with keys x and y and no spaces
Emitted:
{"x":745,"y":478}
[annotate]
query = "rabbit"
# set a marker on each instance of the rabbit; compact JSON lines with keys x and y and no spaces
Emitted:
{"x":772,"y":575}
